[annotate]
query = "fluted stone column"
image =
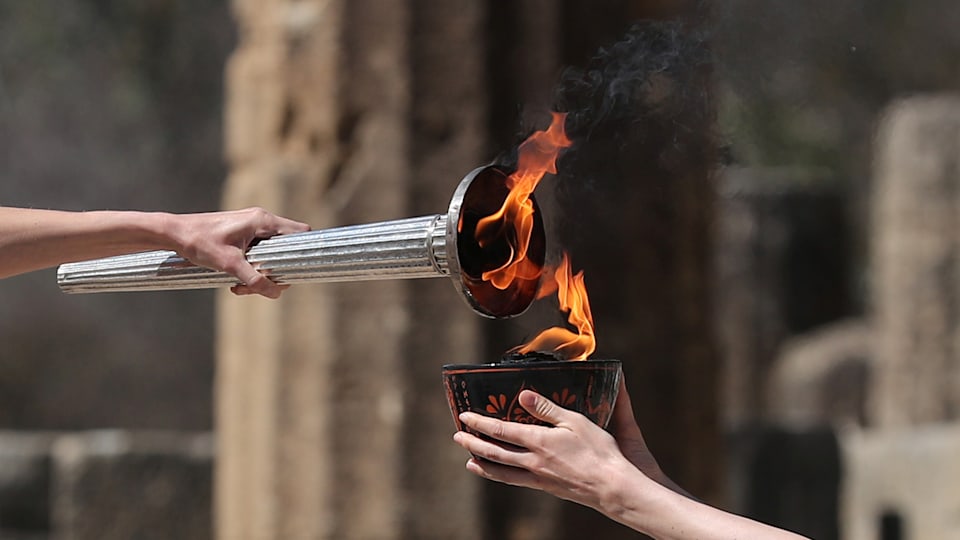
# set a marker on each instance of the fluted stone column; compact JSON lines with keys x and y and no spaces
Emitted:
{"x":330,"y":415}
{"x":916,"y":250}
{"x":275,"y":360}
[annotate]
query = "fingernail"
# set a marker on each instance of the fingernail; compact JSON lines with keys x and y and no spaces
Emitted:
{"x":457,"y":437}
{"x":528,"y":398}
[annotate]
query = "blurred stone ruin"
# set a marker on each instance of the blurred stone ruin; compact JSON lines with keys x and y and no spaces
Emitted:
{"x":814,"y":298}
{"x":853,"y":396}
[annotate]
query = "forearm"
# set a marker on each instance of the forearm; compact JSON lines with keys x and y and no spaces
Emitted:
{"x":662,"y":513}
{"x":34,"y":239}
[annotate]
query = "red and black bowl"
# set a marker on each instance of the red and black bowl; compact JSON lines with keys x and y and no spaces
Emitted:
{"x":588,"y":387}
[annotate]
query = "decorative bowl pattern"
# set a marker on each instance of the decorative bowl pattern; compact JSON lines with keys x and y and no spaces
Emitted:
{"x":587,"y":386}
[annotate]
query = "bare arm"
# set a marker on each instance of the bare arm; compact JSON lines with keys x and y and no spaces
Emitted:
{"x":578,"y":461}
{"x":34,"y":239}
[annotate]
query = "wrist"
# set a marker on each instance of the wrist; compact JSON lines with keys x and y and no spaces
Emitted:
{"x":649,"y":505}
{"x":629,"y":497}
{"x":162,"y":230}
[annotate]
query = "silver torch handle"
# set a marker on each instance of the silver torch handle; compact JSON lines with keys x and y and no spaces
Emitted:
{"x":400,"y":249}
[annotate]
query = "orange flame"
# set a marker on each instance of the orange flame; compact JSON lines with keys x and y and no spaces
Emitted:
{"x":537,"y":156}
{"x":572,"y":294}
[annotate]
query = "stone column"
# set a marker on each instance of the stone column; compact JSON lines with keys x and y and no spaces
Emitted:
{"x":275,"y":359}
{"x":330,"y":413}
{"x":916,"y":280}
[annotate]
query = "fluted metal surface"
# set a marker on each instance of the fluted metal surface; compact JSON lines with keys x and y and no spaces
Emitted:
{"x":400,"y":249}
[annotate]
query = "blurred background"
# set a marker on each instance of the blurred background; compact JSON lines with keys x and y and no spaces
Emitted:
{"x":771,"y":250}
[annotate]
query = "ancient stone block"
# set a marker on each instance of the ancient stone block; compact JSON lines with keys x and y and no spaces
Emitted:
{"x":822,"y":378}
{"x":25,"y":478}
{"x":119,"y":485}
{"x":901,"y":481}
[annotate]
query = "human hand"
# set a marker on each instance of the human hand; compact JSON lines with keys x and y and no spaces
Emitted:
{"x":574,"y":460}
{"x":219,"y":240}
{"x":578,"y":461}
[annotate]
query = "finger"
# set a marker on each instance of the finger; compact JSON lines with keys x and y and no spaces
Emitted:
{"x":523,"y":435}
{"x":273,"y":225}
{"x":243,"y":290}
{"x":496,"y":452}
{"x":503,"y":473}
{"x":543,"y":409}
{"x":254,"y":281}
{"x":262,"y":285}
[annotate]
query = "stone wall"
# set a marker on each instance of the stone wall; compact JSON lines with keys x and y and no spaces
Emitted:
{"x":105,"y":485}
{"x":887,"y":384}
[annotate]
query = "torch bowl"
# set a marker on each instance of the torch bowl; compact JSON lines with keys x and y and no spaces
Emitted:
{"x":588,"y":387}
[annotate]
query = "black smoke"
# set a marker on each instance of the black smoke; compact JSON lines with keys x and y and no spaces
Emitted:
{"x":643,"y":103}
{"x":641,"y":117}
{"x":645,"y":100}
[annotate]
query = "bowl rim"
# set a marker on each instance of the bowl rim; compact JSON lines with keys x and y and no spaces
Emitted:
{"x":532,"y":366}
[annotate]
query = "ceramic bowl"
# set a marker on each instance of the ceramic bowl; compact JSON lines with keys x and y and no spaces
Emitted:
{"x":587,"y":386}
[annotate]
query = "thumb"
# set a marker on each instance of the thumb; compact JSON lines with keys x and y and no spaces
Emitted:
{"x":543,"y":409}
